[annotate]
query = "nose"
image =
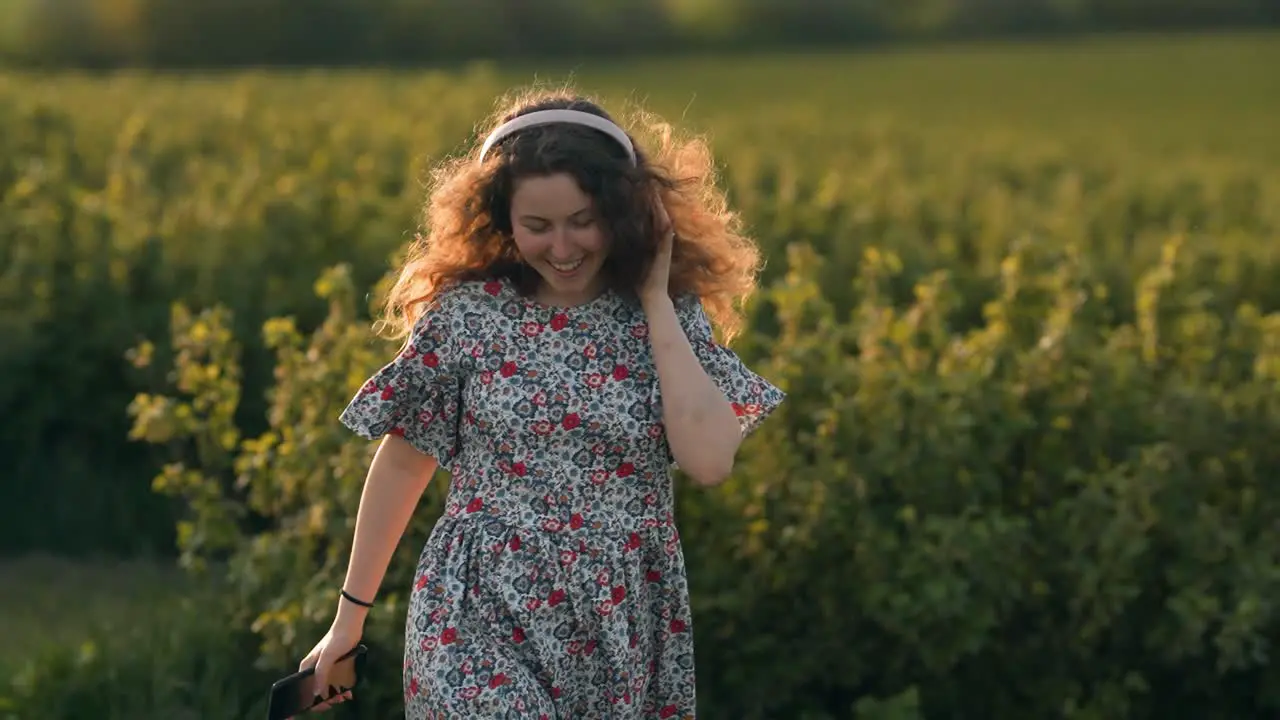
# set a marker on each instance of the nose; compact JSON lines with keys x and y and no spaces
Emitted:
{"x":562,"y":243}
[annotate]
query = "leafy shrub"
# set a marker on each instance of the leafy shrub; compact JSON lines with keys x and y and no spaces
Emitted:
{"x":106,"y":219}
{"x":1022,"y":471}
{"x":1042,"y":514}
{"x":122,"y":194}
{"x":298,"y":482}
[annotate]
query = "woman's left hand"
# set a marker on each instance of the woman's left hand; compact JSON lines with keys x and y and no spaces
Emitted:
{"x":657,"y":282}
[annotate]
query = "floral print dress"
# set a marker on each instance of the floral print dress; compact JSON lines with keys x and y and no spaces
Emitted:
{"x":553,"y":585}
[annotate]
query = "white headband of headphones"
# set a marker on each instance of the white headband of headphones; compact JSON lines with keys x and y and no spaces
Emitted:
{"x":546,"y":117}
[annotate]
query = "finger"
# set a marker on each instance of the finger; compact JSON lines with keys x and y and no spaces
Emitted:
{"x":332,"y":697}
{"x":664,"y":219}
{"x":340,"y":695}
{"x":310,"y":660}
{"x":322,"y":702}
{"x":320,"y":681}
{"x":659,"y":207}
{"x":661,"y":217}
{"x":666,"y":239}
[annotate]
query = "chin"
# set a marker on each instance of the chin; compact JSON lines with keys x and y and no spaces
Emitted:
{"x":581,"y":284}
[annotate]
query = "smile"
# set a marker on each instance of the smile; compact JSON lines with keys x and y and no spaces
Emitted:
{"x":566,"y":267}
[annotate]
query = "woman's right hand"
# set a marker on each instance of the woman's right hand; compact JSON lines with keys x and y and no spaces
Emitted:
{"x":343,"y":635}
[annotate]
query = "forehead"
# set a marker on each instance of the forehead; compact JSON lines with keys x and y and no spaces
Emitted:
{"x":549,"y":196}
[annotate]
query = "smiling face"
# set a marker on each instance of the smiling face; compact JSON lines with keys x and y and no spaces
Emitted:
{"x":558,"y":233}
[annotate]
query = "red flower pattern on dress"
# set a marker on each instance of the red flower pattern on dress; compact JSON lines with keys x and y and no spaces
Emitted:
{"x":557,"y":539}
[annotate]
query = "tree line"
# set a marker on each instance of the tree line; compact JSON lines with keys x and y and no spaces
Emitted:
{"x":230,"y":33}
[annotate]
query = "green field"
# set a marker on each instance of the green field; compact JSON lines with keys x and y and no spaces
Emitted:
{"x":51,"y":602}
{"x":1206,"y":96}
{"x":1028,"y":173}
{"x":1199,"y":96}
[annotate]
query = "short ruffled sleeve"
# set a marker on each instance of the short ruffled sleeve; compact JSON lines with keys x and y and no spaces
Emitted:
{"x":753,"y":397}
{"x":418,"y":395}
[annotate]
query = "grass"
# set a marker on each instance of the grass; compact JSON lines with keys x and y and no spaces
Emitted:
{"x":49,"y":602}
{"x":1213,"y":95}
{"x":1199,"y":94}
{"x":1176,"y":101}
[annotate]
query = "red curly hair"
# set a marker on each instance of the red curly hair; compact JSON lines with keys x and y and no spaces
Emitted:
{"x":468,"y":225}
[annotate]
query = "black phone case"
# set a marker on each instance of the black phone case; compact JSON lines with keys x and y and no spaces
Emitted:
{"x":285,"y":703}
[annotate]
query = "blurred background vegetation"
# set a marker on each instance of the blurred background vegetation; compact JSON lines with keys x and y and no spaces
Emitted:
{"x":221,"y":33}
{"x":1023,"y":288}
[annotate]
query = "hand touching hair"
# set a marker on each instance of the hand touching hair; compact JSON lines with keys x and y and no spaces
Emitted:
{"x":467,"y":223}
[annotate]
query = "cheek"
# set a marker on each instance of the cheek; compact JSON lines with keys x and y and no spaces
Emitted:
{"x":592,"y":239}
{"x":528,"y":244}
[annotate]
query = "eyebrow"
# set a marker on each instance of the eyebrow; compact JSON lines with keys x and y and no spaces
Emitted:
{"x":538,"y":217}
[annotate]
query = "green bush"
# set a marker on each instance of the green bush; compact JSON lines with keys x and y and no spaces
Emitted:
{"x":109,"y":211}
{"x":1022,"y":471}
{"x":1044,"y":514}
{"x":120,"y":195}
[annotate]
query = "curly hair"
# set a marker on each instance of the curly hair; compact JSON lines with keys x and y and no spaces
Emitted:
{"x":467,"y":223}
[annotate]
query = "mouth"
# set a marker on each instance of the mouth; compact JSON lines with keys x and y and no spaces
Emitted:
{"x":567,"y":268}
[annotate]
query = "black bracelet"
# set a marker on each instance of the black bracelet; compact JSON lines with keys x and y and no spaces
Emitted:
{"x":361,"y":603}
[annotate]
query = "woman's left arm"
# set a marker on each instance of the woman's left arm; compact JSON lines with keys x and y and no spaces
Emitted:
{"x":703,"y":430}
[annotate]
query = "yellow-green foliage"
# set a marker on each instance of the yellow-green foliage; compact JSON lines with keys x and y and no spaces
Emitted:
{"x":1026,"y":465}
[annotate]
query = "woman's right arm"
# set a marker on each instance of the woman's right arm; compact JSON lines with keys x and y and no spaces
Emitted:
{"x":395,"y":482}
{"x":412,"y":406}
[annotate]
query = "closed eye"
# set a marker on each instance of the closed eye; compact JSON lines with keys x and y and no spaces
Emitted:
{"x":582,"y":219}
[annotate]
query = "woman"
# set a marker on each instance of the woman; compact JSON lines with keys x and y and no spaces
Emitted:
{"x":559,"y":361}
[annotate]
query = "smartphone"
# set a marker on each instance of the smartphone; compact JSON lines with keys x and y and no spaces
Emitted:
{"x":296,"y":694}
